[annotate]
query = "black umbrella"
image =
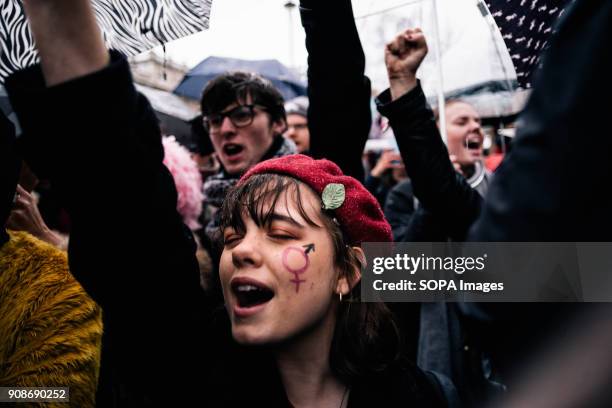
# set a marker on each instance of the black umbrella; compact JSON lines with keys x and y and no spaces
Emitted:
{"x":526,"y":26}
{"x":282,"y":77}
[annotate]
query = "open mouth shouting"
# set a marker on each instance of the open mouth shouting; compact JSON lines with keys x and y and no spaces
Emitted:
{"x":250,"y":296}
{"x":473,"y":142}
{"x":233,"y":151}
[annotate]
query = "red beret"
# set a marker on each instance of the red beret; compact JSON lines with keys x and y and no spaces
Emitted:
{"x":357,"y":211}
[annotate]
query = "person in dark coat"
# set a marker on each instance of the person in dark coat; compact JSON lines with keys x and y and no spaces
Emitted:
{"x":549,"y":187}
{"x":544,"y":189}
{"x":129,"y":248}
{"x":411,"y":222}
{"x":384,"y":175}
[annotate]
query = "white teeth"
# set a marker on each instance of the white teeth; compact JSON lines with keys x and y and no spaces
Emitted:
{"x":246,"y":288}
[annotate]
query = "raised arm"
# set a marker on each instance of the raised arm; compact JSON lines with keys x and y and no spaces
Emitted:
{"x":339,"y":116}
{"x":436,"y":184}
{"x":67,"y":37}
{"x":97,"y":140}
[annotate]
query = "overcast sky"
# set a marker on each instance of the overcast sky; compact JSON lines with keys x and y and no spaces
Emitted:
{"x":260,"y":29}
{"x":243,"y":29}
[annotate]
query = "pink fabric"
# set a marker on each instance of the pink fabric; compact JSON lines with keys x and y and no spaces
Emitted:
{"x":187,"y":179}
{"x":360,"y":216}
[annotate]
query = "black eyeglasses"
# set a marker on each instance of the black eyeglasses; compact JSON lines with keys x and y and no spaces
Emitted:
{"x":240,"y":116}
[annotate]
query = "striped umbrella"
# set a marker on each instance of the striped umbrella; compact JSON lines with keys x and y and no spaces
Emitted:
{"x":130,"y":26}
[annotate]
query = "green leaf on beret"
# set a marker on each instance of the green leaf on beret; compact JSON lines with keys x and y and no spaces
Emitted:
{"x":333,"y":196}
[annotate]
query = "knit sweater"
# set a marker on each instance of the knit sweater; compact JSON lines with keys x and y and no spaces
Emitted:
{"x":50,"y":329}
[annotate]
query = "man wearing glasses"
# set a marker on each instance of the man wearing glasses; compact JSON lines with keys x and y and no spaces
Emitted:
{"x":245,"y":117}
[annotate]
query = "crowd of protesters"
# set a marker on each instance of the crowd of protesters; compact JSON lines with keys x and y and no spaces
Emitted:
{"x":232,"y":278}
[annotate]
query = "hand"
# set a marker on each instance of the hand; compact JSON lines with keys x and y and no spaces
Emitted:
{"x":208,"y":164}
{"x":26,"y":217}
{"x":403,"y":57}
{"x":456,"y":164}
{"x":388,"y":160}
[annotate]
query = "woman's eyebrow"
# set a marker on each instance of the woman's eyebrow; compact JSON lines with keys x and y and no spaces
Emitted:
{"x":280,"y":217}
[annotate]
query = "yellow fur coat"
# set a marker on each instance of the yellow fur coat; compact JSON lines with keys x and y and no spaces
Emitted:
{"x":50,"y":329}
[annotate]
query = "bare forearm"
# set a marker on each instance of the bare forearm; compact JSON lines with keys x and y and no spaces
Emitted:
{"x":55,"y":239}
{"x":401,"y":86}
{"x":67,"y":37}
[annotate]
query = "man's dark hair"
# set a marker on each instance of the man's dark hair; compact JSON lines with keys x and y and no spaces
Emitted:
{"x":236,"y":87}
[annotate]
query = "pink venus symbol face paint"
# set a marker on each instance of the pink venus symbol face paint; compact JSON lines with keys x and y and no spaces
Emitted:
{"x":296,"y":261}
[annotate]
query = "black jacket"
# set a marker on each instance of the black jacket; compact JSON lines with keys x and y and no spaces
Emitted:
{"x":97,"y":140}
{"x":439,"y":188}
{"x":410,"y":221}
{"x":443,"y":343}
{"x":547,"y":189}
{"x":339,"y":114}
{"x":401,"y":385}
{"x":551,"y":187}
{"x":553,"y":184}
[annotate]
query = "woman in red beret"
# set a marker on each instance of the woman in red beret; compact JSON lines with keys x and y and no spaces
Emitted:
{"x":290,"y":273}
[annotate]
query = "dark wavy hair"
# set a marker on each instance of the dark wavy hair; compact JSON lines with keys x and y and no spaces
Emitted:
{"x":237,"y":86}
{"x":366,"y":339}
